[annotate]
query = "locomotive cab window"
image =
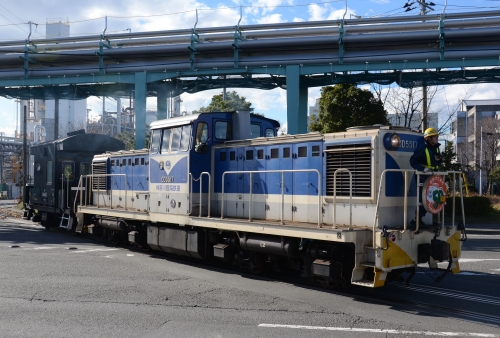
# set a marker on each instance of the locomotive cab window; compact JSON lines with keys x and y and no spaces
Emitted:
{"x":201,"y":145}
{"x":223,"y":130}
{"x":68,"y":170}
{"x":270,"y":132}
{"x":176,"y":139}
{"x":254,"y":131}
{"x":155,"y":141}
{"x":185,"y":138}
{"x":165,"y":143}
{"x":86,"y":168}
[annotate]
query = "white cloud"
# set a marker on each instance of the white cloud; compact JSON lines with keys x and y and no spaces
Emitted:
{"x":9,"y":111}
{"x":267,"y":6}
{"x":273,"y":18}
{"x":326,"y":12}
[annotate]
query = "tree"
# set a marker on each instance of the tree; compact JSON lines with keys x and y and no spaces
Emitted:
{"x":232,"y":102}
{"x":449,"y":157}
{"x":343,"y":106}
{"x":128,"y":138}
{"x":490,"y":148}
{"x":494,"y":176}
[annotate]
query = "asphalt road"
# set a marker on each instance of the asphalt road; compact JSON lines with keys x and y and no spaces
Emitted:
{"x":55,"y":285}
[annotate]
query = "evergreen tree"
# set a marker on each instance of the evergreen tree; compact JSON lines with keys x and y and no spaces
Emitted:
{"x":343,"y":106}
{"x":233,"y":102}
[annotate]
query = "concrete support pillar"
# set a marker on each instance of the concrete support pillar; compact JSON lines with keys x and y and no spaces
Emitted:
{"x":161,"y":103}
{"x":296,"y":100}
{"x":140,"y":109}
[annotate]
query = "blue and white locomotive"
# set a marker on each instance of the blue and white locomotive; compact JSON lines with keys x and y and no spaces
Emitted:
{"x":333,"y":207}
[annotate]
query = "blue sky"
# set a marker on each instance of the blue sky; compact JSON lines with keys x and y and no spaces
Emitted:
{"x":87,"y":17}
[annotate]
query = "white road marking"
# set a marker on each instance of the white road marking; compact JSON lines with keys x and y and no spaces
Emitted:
{"x":469,"y":260}
{"x":93,"y":250}
{"x":42,"y":248}
{"x":130,"y":255}
{"x":348,"y":329}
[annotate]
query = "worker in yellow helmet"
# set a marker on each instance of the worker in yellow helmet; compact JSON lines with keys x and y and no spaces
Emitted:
{"x":426,"y":158}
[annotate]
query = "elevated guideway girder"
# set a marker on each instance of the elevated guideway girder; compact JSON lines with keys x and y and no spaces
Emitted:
{"x":293,"y":56}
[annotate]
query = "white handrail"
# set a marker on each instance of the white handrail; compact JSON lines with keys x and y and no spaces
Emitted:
{"x":92,"y":176}
{"x":191,"y":179}
{"x":250,"y":172}
{"x":405,"y":203}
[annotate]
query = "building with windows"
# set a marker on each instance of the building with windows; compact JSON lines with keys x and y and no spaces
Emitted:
{"x":476,"y":136}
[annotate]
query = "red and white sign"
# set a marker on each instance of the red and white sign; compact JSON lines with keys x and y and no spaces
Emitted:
{"x":434,"y":194}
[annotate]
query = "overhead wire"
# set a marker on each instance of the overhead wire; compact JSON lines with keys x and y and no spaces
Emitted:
{"x":22,"y":21}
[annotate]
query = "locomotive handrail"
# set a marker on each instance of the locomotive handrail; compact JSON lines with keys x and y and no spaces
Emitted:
{"x":335,"y":196}
{"x":191,"y":179}
{"x":405,"y":203}
{"x":65,"y":192}
{"x":92,"y":176}
{"x":405,"y":200}
{"x":251,"y":172}
{"x":442,"y":173}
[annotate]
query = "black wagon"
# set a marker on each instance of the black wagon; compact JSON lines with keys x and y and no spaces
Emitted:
{"x":58,"y":166}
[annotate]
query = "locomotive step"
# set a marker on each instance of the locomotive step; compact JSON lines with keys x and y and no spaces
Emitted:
{"x":363,"y":282}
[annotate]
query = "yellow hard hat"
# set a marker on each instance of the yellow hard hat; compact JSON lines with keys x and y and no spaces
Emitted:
{"x":430,"y":132}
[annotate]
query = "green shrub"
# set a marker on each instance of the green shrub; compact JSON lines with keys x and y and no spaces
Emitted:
{"x":474,"y":206}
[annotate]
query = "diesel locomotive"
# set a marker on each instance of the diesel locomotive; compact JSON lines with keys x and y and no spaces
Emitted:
{"x":337,"y":208}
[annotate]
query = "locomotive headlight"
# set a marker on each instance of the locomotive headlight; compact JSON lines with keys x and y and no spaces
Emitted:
{"x":395,"y":141}
{"x":392,"y":141}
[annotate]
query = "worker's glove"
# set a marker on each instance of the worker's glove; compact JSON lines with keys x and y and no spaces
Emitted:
{"x":426,"y":170}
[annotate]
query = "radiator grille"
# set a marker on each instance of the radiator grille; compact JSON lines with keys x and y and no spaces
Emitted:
{"x":99,"y":182}
{"x":356,"y":158}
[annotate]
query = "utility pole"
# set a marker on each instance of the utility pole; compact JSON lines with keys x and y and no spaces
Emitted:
{"x":25,"y":154}
{"x":424,"y":87}
{"x":424,"y":9}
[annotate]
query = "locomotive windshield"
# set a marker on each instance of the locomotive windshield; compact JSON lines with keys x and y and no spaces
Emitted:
{"x":169,"y":140}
